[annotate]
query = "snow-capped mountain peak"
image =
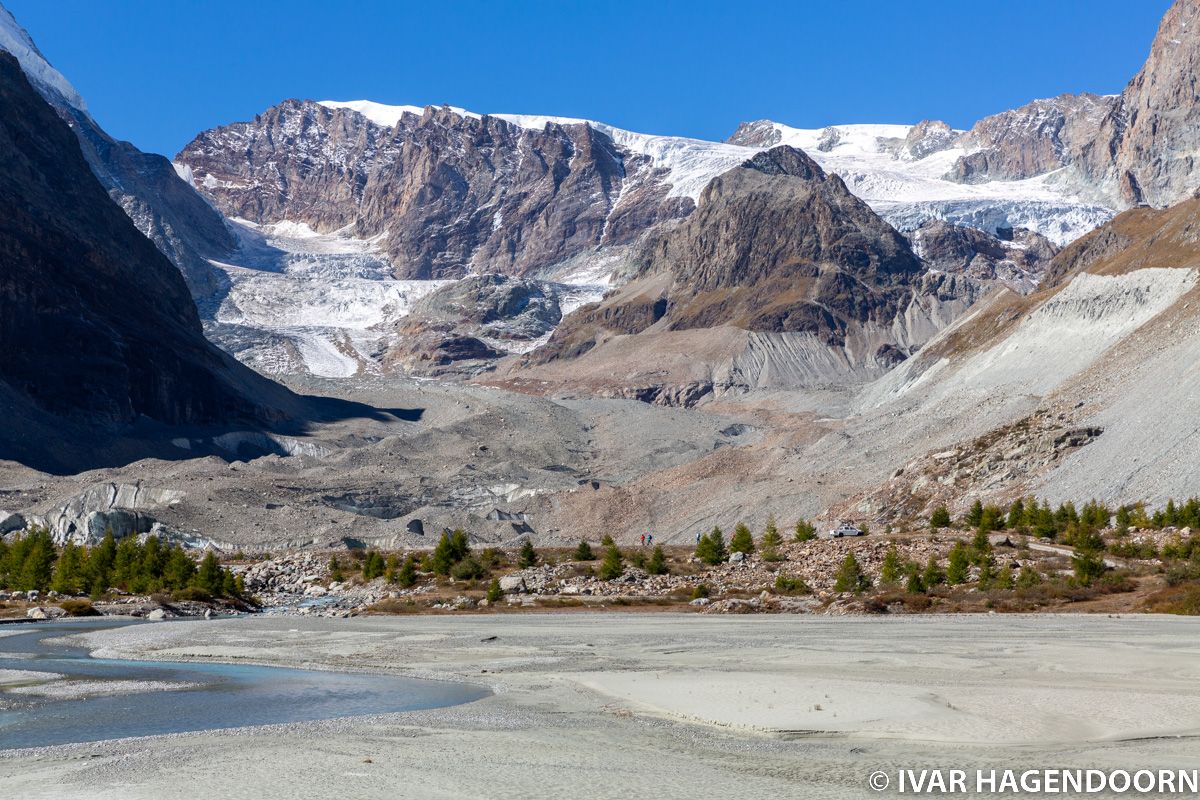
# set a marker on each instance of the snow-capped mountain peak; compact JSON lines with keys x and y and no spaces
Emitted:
{"x":690,"y":163}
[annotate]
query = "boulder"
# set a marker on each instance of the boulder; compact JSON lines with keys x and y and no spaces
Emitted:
{"x":45,"y":612}
{"x":157,"y":614}
{"x":512,"y":584}
{"x":737,"y":557}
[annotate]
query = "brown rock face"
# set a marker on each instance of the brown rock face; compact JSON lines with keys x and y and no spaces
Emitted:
{"x":451,"y":194}
{"x":1034,"y":139}
{"x":1160,"y":138}
{"x":777,"y":245}
{"x":1139,"y":238}
{"x":95,"y":324}
{"x":448,"y":330}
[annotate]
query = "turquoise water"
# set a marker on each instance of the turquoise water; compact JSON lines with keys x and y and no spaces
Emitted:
{"x":226,"y":695}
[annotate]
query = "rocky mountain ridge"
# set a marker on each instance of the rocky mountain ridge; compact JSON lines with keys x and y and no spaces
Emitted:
{"x":88,"y":301}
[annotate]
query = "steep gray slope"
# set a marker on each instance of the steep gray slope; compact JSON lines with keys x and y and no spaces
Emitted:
{"x":96,"y":327}
{"x":164,"y":207}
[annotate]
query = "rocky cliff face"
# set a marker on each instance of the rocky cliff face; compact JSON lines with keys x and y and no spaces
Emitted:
{"x":1039,"y":137}
{"x":1157,"y":132}
{"x":1135,"y":147}
{"x":448,"y":192}
{"x":163,"y":206}
{"x":96,"y":326}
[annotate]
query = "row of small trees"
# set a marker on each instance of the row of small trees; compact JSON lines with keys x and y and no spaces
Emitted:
{"x":711,"y":548}
{"x":1038,"y":518}
{"x":33,"y":562}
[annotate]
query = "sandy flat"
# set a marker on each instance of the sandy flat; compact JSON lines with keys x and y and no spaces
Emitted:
{"x":660,"y":705}
{"x":72,"y":690}
{"x":21,"y":677}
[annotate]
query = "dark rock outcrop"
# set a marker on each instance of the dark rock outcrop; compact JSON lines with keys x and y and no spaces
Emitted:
{"x":449,"y":330}
{"x":1039,"y":137}
{"x":928,"y":137}
{"x":1155,"y":136}
{"x":777,"y":245}
{"x":96,"y":326}
{"x":760,"y":133}
{"x":162,"y":205}
{"x":774,"y":246}
{"x":1017,"y":260}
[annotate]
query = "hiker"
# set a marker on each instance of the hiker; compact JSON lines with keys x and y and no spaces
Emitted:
{"x":643,"y":540}
{"x":649,"y":539}
{"x":697,"y":537}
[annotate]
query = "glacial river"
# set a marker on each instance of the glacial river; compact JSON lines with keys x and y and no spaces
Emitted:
{"x":93,"y":700}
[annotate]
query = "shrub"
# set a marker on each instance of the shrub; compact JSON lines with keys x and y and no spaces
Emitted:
{"x":406,"y":576}
{"x":373,"y":566}
{"x":981,"y":548}
{"x":584,"y":552}
{"x":528,"y":555}
{"x":607,"y":541}
{"x":914,"y":584}
{"x":658,"y":563}
{"x":987,"y":572}
{"x":771,"y":542}
{"x":933,"y":575}
{"x":959,"y":568}
{"x":1182,"y":600}
{"x":1179,"y":574}
{"x":335,"y":570}
{"x":711,"y":549}
{"x":940,"y":518}
{"x":493,"y":593}
{"x":1027,"y":578}
{"x":700,"y":591}
{"x":1088,"y":563}
{"x":79,"y":608}
{"x":805,"y":532}
{"x":850,"y":577}
{"x":469,"y":569}
{"x":451,"y":549}
{"x":742,"y":540}
{"x":975,"y":515}
{"x":785,"y":584}
{"x":192,"y":593}
{"x":890,"y":572}
{"x":613,"y":566}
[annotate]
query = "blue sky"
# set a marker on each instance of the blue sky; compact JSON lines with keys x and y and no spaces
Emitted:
{"x":156,"y":72}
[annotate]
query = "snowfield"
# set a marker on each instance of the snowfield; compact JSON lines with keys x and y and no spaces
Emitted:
{"x":308,"y":302}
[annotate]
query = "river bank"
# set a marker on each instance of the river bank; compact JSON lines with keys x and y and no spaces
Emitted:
{"x":664,"y":705}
